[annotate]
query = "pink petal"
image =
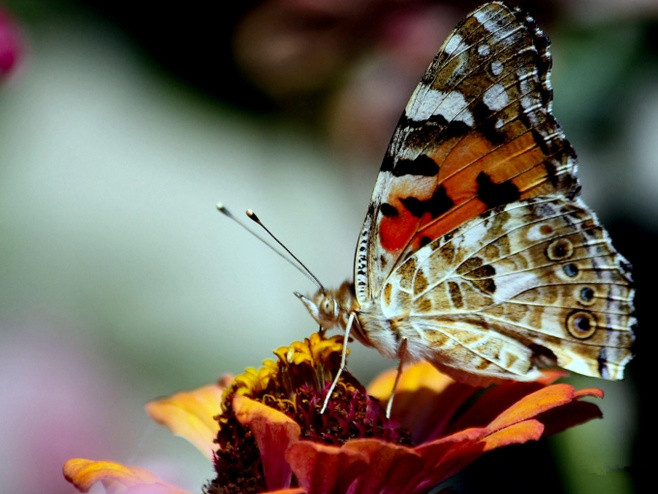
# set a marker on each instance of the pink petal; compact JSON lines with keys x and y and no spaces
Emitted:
{"x":12,"y":44}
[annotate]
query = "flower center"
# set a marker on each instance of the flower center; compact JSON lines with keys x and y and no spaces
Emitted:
{"x":296,"y":384}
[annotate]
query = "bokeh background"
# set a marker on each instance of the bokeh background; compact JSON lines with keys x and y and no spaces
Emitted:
{"x":122,"y":125}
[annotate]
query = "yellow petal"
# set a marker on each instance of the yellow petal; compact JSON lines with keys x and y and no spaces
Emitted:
{"x":189,"y":414}
{"x":414,"y":377}
{"x":116,"y":478}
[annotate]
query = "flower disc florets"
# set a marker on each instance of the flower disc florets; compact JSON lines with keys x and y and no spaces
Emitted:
{"x":296,"y":384}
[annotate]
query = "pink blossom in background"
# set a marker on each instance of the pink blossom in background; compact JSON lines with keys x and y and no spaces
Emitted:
{"x":56,"y":397}
{"x":11,"y":45}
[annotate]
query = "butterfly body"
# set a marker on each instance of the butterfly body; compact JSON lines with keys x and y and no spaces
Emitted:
{"x":476,"y":250}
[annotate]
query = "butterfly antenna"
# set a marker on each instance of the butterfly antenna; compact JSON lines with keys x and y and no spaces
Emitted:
{"x":299,"y":265}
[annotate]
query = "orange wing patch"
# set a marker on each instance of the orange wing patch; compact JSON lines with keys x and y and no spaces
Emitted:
{"x":474,"y":176}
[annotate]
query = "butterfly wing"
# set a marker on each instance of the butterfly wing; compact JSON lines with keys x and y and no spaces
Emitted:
{"x":477,"y":133}
{"x":475,"y":247}
{"x":532,"y":284}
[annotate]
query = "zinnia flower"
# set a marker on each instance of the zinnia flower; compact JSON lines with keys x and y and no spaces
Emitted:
{"x":265,"y":433}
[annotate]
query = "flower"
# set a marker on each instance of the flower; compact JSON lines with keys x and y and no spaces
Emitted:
{"x":12,"y":45}
{"x":268,"y":434}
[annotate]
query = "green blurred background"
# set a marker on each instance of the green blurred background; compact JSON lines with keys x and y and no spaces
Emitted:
{"x":123,"y":124}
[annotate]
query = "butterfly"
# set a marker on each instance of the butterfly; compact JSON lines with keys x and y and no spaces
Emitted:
{"x":477,"y":253}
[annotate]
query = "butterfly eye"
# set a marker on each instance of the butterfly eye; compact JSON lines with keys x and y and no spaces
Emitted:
{"x":328,"y":306}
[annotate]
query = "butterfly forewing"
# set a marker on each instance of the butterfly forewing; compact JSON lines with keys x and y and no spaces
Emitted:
{"x":476,"y":133}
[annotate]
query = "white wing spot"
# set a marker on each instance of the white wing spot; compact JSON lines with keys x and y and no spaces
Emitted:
{"x":514,"y":284}
{"x":484,"y":50}
{"x":422,"y":108}
{"x":451,"y":106}
{"x":530,"y":104}
{"x":496,"y":67}
{"x":454,"y":45}
{"x":503,"y":32}
{"x":496,"y":97}
{"x":483,"y":16}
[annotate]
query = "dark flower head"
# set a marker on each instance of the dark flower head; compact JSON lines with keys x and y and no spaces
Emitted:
{"x":295,"y":385}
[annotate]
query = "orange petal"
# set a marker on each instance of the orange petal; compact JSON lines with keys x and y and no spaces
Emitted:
{"x":389,"y":468}
{"x":566,"y":416}
{"x":323,"y":469}
{"x":83,"y":474}
{"x":535,"y":414}
{"x":498,"y":398}
{"x":436,"y":449}
{"x":595,"y":392}
{"x":493,"y":402}
{"x":274,"y":433}
{"x":446,"y":456}
{"x":189,"y":414}
{"x":519,"y":433}
{"x":530,"y":406}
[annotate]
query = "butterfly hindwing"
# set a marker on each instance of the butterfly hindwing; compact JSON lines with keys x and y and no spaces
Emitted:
{"x":535,"y":279}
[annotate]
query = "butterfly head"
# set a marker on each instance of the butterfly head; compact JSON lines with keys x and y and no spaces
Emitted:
{"x":331,"y":307}
{"x":323,"y":307}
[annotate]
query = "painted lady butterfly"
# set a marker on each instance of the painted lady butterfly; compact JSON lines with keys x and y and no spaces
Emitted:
{"x":476,"y":253}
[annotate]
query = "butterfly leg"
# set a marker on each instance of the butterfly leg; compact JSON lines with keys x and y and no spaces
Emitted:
{"x":401,"y":353}
{"x":343,"y":362}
